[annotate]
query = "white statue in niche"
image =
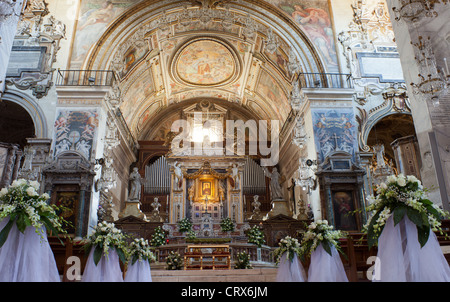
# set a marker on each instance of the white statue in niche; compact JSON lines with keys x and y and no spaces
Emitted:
{"x":235,"y":176}
{"x":379,"y":150}
{"x":178,"y":175}
{"x":135,"y":185}
{"x":276,"y":192}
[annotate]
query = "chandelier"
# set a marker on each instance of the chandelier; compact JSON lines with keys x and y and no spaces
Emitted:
{"x":413,"y":10}
{"x":433,"y":81}
{"x":10,"y":9}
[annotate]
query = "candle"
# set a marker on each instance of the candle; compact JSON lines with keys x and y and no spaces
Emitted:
{"x":446,"y":66}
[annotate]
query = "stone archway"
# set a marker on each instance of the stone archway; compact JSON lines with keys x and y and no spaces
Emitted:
{"x":29,"y":107}
{"x":16,"y":125}
{"x":390,"y":128}
{"x":387,"y":130}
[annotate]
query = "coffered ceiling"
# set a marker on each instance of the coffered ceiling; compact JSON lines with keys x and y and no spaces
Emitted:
{"x":230,"y":52}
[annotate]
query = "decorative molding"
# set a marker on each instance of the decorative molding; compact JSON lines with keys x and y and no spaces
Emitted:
{"x":36,"y":31}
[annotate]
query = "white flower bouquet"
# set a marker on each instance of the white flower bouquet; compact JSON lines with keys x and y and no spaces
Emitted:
{"x":320,"y":233}
{"x":158,"y":237}
{"x":288,"y":245}
{"x":243,"y":261}
{"x":139,"y":249}
{"x":24,"y":206}
{"x":227,"y":225}
{"x":255,"y":235}
{"x":105,"y":237}
{"x":174,"y":261}
{"x":402,"y":195}
{"x":184,"y":225}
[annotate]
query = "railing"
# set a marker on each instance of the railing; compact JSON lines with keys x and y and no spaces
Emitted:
{"x":85,"y":78}
{"x":124,"y":126}
{"x":325,"y":80}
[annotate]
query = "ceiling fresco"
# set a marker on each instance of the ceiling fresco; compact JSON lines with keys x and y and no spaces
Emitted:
{"x":205,"y":63}
{"x":168,"y":52}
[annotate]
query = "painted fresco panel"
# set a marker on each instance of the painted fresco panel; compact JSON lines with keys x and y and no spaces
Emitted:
{"x":135,"y":95}
{"x":334,"y":130}
{"x":95,"y":17}
{"x":314,"y":18}
{"x":205,"y":63}
{"x":75,"y":130}
{"x":271,"y":91}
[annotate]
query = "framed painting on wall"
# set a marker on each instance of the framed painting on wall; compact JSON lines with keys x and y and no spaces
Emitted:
{"x":206,"y":188}
{"x":343,"y":202}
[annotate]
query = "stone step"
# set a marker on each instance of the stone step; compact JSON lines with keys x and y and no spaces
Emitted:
{"x":231,"y":275}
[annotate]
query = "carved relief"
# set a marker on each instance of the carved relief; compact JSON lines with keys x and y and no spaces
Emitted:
{"x":35,"y":32}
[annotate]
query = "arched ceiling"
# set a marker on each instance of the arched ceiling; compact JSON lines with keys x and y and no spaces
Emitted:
{"x":233,"y":52}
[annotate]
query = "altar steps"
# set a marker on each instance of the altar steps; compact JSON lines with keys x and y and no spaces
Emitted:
{"x":232,"y":275}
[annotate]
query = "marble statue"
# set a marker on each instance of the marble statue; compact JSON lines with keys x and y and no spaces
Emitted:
{"x":379,"y":150}
{"x":178,"y":175}
{"x":235,"y":176}
{"x":135,"y":185}
{"x":276,"y":192}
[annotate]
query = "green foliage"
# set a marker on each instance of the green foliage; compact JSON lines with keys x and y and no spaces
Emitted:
{"x":243,"y":261}
{"x":288,"y":245}
{"x":184,"y":225}
{"x":139,"y":249}
{"x":158,"y":237}
{"x":208,"y":240}
{"x":320,"y":233}
{"x":255,"y":235}
{"x":402,"y":196}
{"x":22,"y":204}
{"x":227,"y":225}
{"x":105,"y":237}
{"x":174,"y":261}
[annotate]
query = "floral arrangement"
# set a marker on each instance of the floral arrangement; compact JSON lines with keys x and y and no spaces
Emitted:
{"x":105,"y":237}
{"x":190,"y":235}
{"x":174,"y":261}
{"x":24,"y":206}
{"x":158,"y":238}
{"x":227,"y":225}
{"x":184,"y":225}
{"x":288,"y":245}
{"x":399,"y":196}
{"x":320,"y":232}
{"x":139,"y":249}
{"x":255,"y":235}
{"x":242,"y":261}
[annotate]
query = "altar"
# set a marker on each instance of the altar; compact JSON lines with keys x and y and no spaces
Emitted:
{"x":206,"y":192}
{"x":207,"y":257}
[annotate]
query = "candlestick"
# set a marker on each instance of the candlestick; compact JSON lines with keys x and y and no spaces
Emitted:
{"x":446,"y":66}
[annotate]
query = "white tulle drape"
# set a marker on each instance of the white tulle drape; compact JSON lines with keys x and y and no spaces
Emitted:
{"x":107,"y":269}
{"x":26,"y":257}
{"x":401,"y":259}
{"x":326,"y":268}
{"x":138,"y":272}
{"x":290,"y":271}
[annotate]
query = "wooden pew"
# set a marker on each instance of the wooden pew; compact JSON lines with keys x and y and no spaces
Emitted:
{"x":63,"y":252}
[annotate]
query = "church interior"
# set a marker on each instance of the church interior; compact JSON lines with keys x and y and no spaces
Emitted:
{"x":267,"y":113}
